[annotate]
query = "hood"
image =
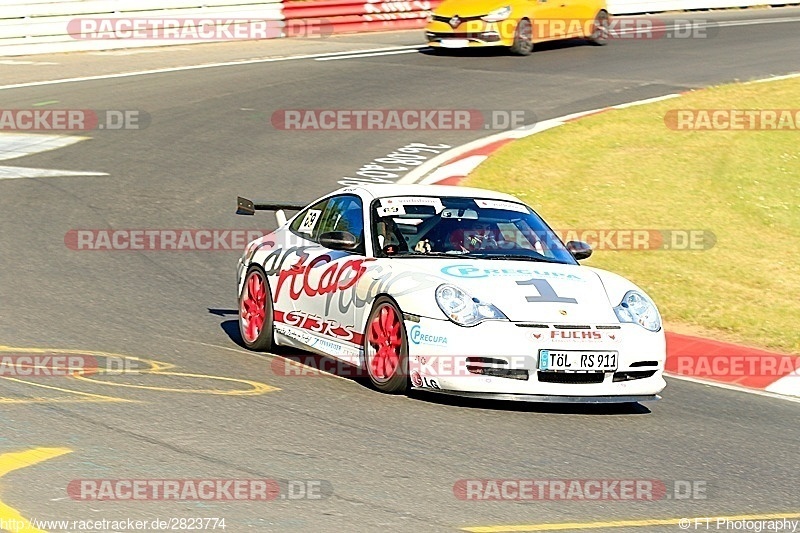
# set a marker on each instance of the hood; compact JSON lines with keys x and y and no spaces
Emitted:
{"x":467,"y":8}
{"x":527,"y":291}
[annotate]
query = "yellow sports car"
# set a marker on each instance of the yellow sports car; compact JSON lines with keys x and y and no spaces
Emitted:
{"x":516,"y":24}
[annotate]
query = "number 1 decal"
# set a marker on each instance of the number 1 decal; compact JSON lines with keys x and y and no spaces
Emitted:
{"x":546,"y":292}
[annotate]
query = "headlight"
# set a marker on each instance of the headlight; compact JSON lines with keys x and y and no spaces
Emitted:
{"x":637,"y":308}
{"x":497,"y":15}
{"x":464,"y":310}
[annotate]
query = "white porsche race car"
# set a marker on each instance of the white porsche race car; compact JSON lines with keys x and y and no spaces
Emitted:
{"x":452,"y":290}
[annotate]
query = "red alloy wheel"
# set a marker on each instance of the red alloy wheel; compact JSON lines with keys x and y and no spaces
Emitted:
{"x":255,"y":310}
{"x":385,"y":348}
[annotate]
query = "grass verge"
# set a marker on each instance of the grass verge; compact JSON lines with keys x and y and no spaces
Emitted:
{"x":626,"y":169}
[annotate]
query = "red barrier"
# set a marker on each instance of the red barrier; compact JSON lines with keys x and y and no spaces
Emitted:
{"x":344,"y":16}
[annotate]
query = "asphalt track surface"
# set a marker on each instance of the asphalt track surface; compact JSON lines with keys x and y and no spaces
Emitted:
{"x":387,"y":463}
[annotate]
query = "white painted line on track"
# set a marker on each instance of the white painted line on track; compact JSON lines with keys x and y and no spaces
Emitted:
{"x":14,"y":62}
{"x":754,"y":22}
{"x":789,"y":385}
{"x":645,"y":101}
{"x":778,"y":78}
{"x":202,"y":66}
{"x":462,"y":167}
{"x":373,"y":54}
{"x":14,"y":145}
{"x":12,"y":173}
{"x":728,"y":386}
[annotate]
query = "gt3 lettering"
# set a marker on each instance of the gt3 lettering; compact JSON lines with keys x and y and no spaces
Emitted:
{"x":316,"y":324}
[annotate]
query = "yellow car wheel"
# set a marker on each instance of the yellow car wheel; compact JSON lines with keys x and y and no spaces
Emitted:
{"x":523,"y":39}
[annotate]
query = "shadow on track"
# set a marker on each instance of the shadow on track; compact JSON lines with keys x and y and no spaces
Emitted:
{"x":531,"y":407}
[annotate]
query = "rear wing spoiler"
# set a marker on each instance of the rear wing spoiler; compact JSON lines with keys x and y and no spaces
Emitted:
{"x":248,"y":207}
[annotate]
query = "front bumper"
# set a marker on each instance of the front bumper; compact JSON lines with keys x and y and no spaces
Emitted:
{"x":548,"y":399}
{"x":449,"y":40}
{"x":468,"y":35}
{"x":498,"y":358}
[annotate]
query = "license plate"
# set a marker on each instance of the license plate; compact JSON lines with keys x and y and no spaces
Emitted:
{"x":577,"y":361}
{"x":454,"y":43}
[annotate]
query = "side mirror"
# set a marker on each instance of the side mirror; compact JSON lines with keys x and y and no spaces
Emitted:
{"x":579,"y":249}
{"x":339,"y":240}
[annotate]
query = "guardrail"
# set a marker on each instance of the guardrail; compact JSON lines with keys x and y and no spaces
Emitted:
{"x":342,"y":16}
{"x":46,"y":26}
{"x":630,"y":7}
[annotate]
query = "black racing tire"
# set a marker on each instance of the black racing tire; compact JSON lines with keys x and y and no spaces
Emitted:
{"x":600,"y":29}
{"x":523,"y":39}
{"x":386,"y":347}
{"x":256,"y":311}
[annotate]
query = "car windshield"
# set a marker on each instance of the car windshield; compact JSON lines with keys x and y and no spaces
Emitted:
{"x":422,"y":226}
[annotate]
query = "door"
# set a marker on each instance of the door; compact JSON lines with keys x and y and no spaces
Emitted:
{"x":320,"y":285}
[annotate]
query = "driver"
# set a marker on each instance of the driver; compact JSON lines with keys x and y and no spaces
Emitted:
{"x":475,"y":235}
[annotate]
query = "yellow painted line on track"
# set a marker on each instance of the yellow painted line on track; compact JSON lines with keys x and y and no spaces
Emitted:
{"x":647,"y":522}
{"x":257,"y":387}
{"x":153,"y":368}
{"x":14,"y":461}
{"x":84,"y":396}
